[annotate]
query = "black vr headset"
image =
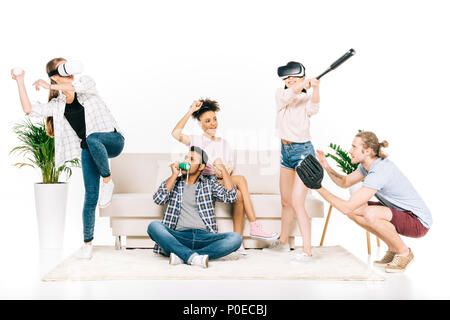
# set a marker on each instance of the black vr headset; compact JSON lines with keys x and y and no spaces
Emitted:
{"x":292,"y":69}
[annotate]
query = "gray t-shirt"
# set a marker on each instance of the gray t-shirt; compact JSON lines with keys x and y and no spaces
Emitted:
{"x":189,"y":216}
{"x":395,"y":190}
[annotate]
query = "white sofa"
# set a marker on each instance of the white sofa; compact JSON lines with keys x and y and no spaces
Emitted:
{"x":138,"y":175}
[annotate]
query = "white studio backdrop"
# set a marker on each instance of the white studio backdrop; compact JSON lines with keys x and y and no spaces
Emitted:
{"x":150,"y":60}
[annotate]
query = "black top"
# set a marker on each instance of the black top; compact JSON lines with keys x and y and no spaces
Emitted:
{"x":74,"y":113}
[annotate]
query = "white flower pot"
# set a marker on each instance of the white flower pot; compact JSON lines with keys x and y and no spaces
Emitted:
{"x":354,"y":188}
{"x":51,"y":204}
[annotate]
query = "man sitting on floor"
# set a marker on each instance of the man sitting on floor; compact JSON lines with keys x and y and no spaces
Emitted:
{"x":188,"y":232}
{"x":400,"y":210}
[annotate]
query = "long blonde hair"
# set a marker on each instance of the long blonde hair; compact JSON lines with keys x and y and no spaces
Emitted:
{"x":51,"y":65}
{"x":370,"y":140}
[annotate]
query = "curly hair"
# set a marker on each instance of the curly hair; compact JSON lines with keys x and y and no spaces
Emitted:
{"x":207,"y":105}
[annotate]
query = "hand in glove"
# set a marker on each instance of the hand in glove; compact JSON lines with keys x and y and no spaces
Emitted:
{"x":310,"y":172}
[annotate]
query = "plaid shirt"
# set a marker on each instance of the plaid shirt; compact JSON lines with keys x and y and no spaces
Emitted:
{"x":208,"y":191}
{"x":97,"y":116}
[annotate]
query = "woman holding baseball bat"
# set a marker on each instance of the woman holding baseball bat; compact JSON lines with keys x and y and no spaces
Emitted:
{"x":82,"y":125}
{"x":204,"y":111}
{"x":294,"y":109}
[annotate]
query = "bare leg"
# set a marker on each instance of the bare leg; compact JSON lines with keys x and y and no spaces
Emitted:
{"x":304,"y":221}
{"x":242,"y":186}
{"x":287,"y":211}
{"x":238,"y":214}
{"x":376,"y":219}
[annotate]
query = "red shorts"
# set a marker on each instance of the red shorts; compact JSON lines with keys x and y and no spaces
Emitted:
{"x":405,"y":222}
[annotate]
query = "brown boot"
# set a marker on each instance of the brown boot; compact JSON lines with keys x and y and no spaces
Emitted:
{"x":399,"y":263}
{"x":388,"y":257}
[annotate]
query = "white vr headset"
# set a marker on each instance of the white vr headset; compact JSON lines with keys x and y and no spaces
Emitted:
{"x":67,"y":69}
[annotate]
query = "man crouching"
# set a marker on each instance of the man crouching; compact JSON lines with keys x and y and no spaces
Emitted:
{"x":188,"y":232}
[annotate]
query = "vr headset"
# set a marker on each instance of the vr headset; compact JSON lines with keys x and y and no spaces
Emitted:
{"x":292,"y":69}
{"x":67,"y":69}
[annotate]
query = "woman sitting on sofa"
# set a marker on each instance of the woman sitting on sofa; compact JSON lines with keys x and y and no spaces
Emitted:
{"x":204,"y":111}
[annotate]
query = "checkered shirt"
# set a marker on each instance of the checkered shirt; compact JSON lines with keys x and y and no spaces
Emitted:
{"x":208,"y":191}
{"x":97,"y":116}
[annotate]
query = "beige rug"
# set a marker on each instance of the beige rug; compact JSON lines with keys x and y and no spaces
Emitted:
{"x":329,"y":263}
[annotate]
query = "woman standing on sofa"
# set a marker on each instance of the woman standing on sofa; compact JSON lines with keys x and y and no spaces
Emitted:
{"x":81,"y":124}
{"x":294,"y":108}
{"x":204,"y":111}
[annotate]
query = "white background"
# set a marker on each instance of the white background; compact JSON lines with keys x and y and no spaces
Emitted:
{"x":151,"y":60}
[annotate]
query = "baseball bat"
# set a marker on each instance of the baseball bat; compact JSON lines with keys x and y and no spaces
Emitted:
{"x":338,"y":62}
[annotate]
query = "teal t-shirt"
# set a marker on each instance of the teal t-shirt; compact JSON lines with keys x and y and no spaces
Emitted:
{"x":394,"y":190}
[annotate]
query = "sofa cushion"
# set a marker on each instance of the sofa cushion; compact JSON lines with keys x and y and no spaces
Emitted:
{"x":142,"y":205}
{"x":138,"y":227}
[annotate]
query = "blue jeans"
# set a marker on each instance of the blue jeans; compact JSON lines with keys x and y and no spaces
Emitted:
{"x":293,"y":153}
{"x":188,"y":243}
{"x":94,"y":164}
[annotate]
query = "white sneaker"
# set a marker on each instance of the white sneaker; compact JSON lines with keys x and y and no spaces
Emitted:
{"x":241,"y":250}
{"x":86,"y":251}
{"x":276,"y":246}
{"x":201,"y":261}
{"x":106,"y":193}
{"x":301,"y":258}
{"x":174,"y":259}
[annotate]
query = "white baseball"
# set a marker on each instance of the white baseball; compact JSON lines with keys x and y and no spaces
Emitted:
{"x":17,"y":71}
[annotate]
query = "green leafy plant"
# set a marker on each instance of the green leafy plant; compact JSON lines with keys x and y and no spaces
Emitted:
{"x":342,"y":159}
{"x":39,"y":150}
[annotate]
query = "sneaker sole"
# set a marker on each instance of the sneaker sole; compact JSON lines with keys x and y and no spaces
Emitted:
{"x":171,"y":262}
{"x":262,"y":238}
{"x":102,"y":206}
{"x":379,"y":264}
{"x":398,"y":270}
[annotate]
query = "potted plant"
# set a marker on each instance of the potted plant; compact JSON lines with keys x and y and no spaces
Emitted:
{"x":344,"y":162}
{"x":38,"y":149}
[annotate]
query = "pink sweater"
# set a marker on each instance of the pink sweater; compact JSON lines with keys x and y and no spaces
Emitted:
{"x":293,"y":113}
{"x":220,"y":148}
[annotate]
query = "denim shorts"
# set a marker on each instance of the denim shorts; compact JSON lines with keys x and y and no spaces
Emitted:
{"x":293,"y":153}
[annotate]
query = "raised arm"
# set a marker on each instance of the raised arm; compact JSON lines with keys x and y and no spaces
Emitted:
{"x":24,"y":100}
{"x":161,"y":195}
{"x":285,"y":97}
{"x":177,"y":132}
{"x":316,"y":93}
{"x":313,"y":105}
{"x":343,"y":181}
{"x":33,"y":110}
{"x":84,"y":85}
{"x":226,"y":192}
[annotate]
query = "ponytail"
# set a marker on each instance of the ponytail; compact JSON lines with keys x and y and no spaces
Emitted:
{"x":380,"y":153}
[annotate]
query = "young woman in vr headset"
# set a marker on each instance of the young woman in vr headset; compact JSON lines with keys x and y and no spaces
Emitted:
{"x":294,"y":108}
{"x":82,"y":126}
{"x":204,"y":111}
